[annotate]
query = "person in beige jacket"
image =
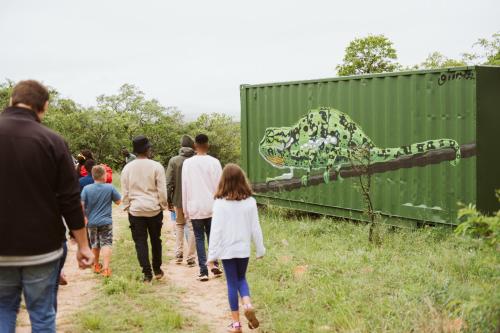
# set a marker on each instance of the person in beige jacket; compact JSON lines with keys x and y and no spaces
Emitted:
{"x":145,"y":198}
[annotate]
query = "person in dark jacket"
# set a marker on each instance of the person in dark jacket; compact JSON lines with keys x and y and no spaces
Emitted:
{"x":38,"y":188}
{"x":174,"y":196}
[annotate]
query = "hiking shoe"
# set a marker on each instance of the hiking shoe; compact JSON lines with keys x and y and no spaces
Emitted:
{"x":253,"y":322}
{"x":147,"y":279}
{"x":97,"y":268}
{"x":191,"y":263}
{"x":234,"y":327}
{"x":216,"y":271}
{"x":203,"y":277}
{"x":159,"y":275}
{"x":106,"y":272}
{"x":178,"y":260}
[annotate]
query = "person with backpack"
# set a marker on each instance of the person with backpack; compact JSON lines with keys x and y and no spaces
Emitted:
{"x":85,"y":155}
{"x":174,"y":191}
{"x":87,"y":180}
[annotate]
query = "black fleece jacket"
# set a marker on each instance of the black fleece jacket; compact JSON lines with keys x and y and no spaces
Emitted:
{"x":38,"y":186}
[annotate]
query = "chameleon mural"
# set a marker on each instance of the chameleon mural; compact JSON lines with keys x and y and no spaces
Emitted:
{"x":327,"y":139}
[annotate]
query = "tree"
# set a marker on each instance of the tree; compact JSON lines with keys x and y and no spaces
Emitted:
{"x":117,"y":118}
{"x":224,"y":135}
{"x":371,"y":54}
{"x":488,"y":53}
{"x":438,"y":60}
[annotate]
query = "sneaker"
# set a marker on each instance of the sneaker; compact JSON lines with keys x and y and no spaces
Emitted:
{"x":253,"y":322}
{"x":159,"y":275}
{"x":106,"y":272}
{"x":97,"y":268}
{"x":191,"y":263}
{"x":216,"y":271}
{"x":178,"y":260}
{"x":234,"y":327}
{"x":147,"y":279}
{"x":62,"y":279}
{"x":203,"y":277}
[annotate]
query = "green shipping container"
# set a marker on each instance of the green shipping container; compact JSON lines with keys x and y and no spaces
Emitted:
{"x":414,"y":125}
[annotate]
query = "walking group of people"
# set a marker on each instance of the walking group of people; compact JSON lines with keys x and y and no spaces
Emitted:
{"x":41,"y":196}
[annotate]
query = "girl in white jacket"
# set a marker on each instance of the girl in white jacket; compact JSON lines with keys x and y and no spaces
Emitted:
{"x":235,"y":223}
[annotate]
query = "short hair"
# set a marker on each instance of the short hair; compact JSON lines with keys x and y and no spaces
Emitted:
{"x":201,"y":139}
{"x":31,"y":93}
{"x":89,"y":164}
{"x":98,"y":172}
{"x":233,"y":184}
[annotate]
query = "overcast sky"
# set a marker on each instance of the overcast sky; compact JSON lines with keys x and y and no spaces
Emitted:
{"x":195,"y":54}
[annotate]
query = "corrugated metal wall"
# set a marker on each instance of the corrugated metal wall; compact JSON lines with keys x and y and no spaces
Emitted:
{"x":393,"y":110}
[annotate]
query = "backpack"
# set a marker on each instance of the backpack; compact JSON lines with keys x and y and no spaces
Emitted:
{"x":109,"y":173}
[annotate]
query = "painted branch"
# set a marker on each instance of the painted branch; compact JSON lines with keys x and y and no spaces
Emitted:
{"x":420,"y":160}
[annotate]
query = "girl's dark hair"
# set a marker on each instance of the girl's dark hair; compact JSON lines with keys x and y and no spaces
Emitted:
{"x":87,"y":154}
{"x":233,"y":184}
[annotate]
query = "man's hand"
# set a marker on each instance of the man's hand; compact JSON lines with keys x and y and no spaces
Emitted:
{"x":258,"y":258}
{"x":85,"y":257}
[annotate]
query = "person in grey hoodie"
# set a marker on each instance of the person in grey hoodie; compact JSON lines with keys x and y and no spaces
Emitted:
{"x":174,"y":196}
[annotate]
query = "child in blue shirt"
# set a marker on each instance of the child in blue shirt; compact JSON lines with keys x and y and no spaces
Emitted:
{"x":97,"y":199}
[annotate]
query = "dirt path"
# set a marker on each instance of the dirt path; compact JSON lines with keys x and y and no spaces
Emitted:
{"x":206,"y":302}
{"x":72,"y":297}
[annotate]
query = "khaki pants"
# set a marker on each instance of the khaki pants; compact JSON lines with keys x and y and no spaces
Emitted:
{"x":179,"y":236}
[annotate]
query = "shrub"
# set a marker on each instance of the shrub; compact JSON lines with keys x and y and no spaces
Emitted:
{"x":478,"y":225}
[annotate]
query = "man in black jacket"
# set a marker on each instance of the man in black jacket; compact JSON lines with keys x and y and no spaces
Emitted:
{"x":38,"y":186}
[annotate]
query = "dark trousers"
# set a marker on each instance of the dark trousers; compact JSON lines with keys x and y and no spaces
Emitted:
{"x":142,"y":226}
{"x":201,"y":228}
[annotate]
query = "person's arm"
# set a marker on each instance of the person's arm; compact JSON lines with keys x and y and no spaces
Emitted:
{"x":170,"y":183}
{"x":68,"y":199}
{"x":218,"y":174}
{"x":185,"y":185}
{"x":257,"y":237}
{"x":214,"y":247}
{"x":116,"y":197}
{"x":84,"y":255}
{"x":161,"y":187}
{"x":125,"y":189}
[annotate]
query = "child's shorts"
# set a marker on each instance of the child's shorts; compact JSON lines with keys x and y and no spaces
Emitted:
{"x":101,"y":236}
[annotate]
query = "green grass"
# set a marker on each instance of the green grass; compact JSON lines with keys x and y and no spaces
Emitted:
{"x":324,"y":276}
{"x":124,"y":304}
{"x":321,"y":275}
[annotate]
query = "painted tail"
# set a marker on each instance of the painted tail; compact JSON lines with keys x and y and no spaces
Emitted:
{"x":387,"y":154}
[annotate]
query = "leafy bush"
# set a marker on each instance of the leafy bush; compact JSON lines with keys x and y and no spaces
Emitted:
{"x":478,"y":225}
